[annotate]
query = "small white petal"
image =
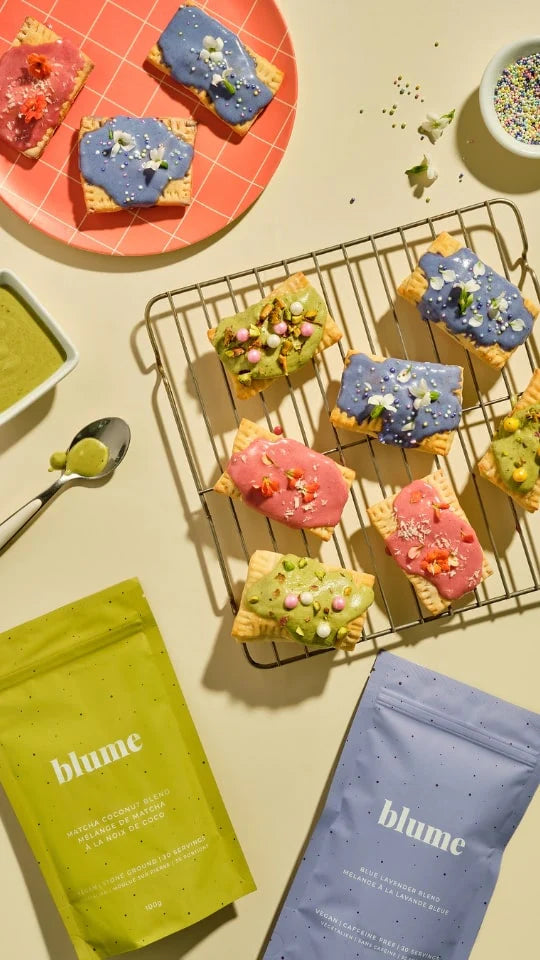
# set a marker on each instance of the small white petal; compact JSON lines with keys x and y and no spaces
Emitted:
{"x":436,"y":282}
{"x":517,"y":325}
{"x":471,"y":286}
{"x":479,"y":269}
{"x":476,"y":320}
{"x":404,"y":376}
{"x":448,"y":275}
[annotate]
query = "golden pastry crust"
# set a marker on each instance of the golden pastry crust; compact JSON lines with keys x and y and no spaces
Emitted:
{"x":177,"y":193}
{"x":33,"y":32}
{"x":487,"y":466}
{"x":248,"y":432}
{"x":438,"y":443}
{"x":267,"y":73}
{"x":383,"y":518}
{"x":249,"y":626}
{"x":416,"y":284}
{"x":330,"y":335}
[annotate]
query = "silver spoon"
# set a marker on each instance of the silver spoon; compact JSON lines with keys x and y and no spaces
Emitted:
{"x":113,"y":432}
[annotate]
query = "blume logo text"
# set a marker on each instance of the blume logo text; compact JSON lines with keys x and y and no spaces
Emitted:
{"x":92,"y":761}
{"x":417,"y":830}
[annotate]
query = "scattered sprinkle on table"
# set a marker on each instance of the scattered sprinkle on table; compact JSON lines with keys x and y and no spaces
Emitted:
{"x":352,"y":199}
{"x":517,"y":99}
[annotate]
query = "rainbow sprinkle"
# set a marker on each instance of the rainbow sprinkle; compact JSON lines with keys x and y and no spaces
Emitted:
{"x":517,"y":99}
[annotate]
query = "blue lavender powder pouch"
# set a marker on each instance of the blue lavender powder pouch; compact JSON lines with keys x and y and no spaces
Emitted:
{"x":431,"y":784}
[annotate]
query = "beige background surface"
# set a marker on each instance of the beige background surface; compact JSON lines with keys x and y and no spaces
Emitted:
{"x":271,"y":736}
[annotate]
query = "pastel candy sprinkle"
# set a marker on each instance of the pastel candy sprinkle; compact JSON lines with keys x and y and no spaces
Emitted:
{"x":306,"y":329}
{"x":280,"y":328}
{"x":291,"y":601}
{"x":517,"y":99}
{"x":273,"y":341}
{"x":338,"y":603}
{"x":324,"y":630}
{"x":254,"y":355}
{"x":296,"y":308}
{"x":306,"y":598}
{"x":242,"y":334}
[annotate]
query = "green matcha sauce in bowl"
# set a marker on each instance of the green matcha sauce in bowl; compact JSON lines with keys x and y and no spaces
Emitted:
{"x":34,"y":352}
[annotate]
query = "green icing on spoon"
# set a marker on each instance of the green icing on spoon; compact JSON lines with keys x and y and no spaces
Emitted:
{"x":313,"y":604}
{"x":515,"y":449}
{"x":273,"y":337}
{"x":88,"y":458}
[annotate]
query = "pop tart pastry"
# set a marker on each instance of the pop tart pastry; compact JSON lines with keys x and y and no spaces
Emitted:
{"x":274,"y":337}
{"x":301,"y":599}
{"x":229,"y":79}
{"x":405,"y":403}
{"x":512,"y":461}
{"x":135,"y":162}
{"x":428,"y":535}
{"x":40,"y":76}
{"x":474,"y":304}
{"x":286,"y":481}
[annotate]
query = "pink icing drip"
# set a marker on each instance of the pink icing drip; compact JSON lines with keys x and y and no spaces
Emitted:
{"x":421,"y":528}
{"x":17,"y":84}
{"x":289,"y":506}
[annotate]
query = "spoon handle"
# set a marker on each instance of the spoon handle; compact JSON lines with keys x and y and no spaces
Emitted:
{"x":10,"y":527}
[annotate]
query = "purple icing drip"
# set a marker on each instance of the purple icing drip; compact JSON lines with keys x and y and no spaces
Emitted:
{"x":122,"y":176}
{"x":181,"y":44}
{"x":442,"y":305}
{"x":363,"y":378}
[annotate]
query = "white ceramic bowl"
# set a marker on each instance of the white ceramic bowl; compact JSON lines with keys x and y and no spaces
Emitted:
{"x":506,"y":56}
{"x":8,"y":279}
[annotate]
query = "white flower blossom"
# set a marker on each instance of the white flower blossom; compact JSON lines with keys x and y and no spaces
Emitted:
{"x":404,"y":376}
{"x":517,"y":325}
{"x":435,"y":124}
{"x":156,"y":158}
{"x":386,"y":402}
{"x":448,"y":276}
{"x":436,"y":282}
{"x":223,"y":77}
{"x":497,"y":306}
{"x":479,"y":269}
{"x":122,"y":141}
{"x":211,"y":50}
{"x":469,"y":286}
{"x":426,"y":168}
{"x":422,"y":393}
{"x":476,"y":320}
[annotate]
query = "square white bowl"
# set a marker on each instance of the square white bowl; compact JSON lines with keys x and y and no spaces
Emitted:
{"x":8,"y":279}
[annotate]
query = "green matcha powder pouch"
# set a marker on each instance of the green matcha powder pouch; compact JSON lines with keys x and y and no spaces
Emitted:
{"x":103,"y":766}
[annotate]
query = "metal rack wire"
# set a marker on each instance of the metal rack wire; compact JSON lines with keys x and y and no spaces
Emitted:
{"x":357,"y":279}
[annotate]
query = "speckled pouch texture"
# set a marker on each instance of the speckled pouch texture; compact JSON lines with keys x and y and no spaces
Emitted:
{"x":105,"y":771}
{"x":432,"y":782}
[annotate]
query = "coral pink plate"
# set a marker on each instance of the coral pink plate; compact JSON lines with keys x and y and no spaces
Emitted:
{"x":229,"y":173}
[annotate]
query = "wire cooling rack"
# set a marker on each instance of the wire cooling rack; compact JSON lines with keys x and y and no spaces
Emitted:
{"x":358,"y":280}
